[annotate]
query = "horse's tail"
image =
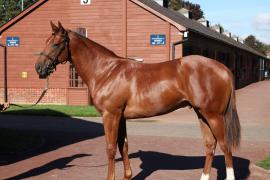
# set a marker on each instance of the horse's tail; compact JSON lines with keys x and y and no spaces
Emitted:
{"x":232,"y":124}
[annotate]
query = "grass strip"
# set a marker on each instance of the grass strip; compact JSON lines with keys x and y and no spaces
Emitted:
{"x":54,"y":110}
{"x":265,"y":163}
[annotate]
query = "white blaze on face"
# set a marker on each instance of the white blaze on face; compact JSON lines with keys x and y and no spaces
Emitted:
{"x":205,"y":176}
{"x":230,"y":173}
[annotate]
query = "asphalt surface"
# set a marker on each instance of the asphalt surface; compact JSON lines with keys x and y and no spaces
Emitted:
{"x":165,"y":147}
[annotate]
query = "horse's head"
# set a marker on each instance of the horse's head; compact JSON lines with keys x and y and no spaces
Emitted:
{"x":56,"y":51}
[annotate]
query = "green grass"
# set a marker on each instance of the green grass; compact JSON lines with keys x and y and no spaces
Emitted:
{"x":54,"y":110}
{"x":265,"y":163}
{"x":15,"y":142}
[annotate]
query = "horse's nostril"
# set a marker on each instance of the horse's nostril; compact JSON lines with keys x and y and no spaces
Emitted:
{"x":38,"y":67}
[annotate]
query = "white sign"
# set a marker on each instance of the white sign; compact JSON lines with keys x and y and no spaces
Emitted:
{"x":85,"y":2}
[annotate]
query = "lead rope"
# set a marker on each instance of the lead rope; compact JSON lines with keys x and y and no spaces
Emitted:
{"x":39,"y":99}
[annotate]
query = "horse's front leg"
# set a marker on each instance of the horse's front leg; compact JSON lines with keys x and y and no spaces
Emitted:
{"x":123,"y":148}
{"x":111,"y":126}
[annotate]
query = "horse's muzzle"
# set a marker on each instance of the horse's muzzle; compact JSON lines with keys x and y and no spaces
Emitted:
{"x":43,"y":73}
{"x":42,"y":76}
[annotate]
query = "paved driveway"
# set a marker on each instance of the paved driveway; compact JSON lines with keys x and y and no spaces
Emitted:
{"x":165,"y":147}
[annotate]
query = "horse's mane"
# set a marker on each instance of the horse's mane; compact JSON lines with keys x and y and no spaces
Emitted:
{"x":99,"y":46}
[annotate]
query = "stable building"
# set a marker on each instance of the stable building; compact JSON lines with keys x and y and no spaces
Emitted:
{"x":144,"y":30}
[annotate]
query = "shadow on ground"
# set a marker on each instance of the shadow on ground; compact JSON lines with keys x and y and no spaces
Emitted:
{"x":154,"y":161}
{"x":56,"y":132}
{"x":61,"y":164}
{"x":34,"y":112}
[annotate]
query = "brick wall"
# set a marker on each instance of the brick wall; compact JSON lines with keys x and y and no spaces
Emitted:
{"x":31,"y":95}
{"x":140,"y":25}
{"x":104,"y":22}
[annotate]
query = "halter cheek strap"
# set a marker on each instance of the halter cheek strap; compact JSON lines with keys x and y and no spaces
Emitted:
{"x":54,"y":60}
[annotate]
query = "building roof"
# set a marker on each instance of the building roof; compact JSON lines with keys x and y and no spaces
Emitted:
{"x":197,"y":27}
{"x":176,"y":17}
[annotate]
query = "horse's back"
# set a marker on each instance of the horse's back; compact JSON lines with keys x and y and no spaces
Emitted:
{"x":197,"y":60}
{"x":154,"y":88}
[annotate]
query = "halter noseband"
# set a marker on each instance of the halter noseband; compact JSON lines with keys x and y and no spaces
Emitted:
{"x":54,"y":60}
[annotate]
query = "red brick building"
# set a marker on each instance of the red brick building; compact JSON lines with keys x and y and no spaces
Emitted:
{"x":140,"y":29}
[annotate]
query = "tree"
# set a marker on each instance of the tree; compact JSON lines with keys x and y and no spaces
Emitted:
{"x":254,"y":43}
{"x":11,"y":8}
{"x":268,"y":49}
{"x":175,"y":4}
{"x":28,"y":3}
{"x":250,"y":41}
{"x":196,"y":10}
{"x":197,"y":13}
{"x":221,"y":28}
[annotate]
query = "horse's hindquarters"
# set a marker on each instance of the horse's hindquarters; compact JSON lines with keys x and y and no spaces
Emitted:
{"x":207,"y":83}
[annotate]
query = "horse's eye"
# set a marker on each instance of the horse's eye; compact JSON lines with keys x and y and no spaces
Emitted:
{"x":55,"y":45}
{"x":50,"y":65}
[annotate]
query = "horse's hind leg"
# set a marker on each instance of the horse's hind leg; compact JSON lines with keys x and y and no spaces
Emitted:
{"x":216,"y":123}
{"x":210,"y":146}
{"x":123,"y":148}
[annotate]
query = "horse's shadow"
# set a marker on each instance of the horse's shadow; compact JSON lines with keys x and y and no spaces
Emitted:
{"x":154,"y":161}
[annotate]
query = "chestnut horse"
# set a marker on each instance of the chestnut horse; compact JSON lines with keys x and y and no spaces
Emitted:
{"x":122,"y":88}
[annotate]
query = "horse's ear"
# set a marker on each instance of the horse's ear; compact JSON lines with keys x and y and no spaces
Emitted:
{"x":61,"y":28}
{"x":54,"y":27}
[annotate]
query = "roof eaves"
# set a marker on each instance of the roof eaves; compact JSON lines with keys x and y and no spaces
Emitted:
{"x":158,"y":14}
{"x":230,"y":42}
{"x":197,"y":27}
{"x":21,"y":15}
{"x":205,"y":31}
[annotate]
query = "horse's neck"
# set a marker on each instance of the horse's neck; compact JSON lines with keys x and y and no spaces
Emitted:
{"x":91,"y":60}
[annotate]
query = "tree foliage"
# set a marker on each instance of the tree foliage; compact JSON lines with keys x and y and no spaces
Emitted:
{"x":254,"y":43}
{"x":11,"y":8}
{"x":175,"y":4}
{"x":196,"y":10}
{"x":221,"y":27}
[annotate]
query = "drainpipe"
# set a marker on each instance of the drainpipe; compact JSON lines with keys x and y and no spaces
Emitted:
{"x":185,"y":35}
{"x":5,"y":73}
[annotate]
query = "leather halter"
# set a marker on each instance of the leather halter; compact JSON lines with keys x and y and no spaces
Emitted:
{"x":54,"y":60}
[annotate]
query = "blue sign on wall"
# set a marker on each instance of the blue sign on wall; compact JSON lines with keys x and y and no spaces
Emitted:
{"x":158,"y":39}
{"x":13,"y":41}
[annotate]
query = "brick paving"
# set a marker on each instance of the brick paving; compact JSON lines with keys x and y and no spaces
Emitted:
{"x":166,"y":147}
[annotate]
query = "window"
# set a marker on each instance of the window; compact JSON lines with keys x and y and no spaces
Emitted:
{"x":82,"y":31}
{"x":74,"y":79}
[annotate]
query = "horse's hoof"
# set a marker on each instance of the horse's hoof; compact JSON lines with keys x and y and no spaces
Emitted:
{"x":128,"y":177}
